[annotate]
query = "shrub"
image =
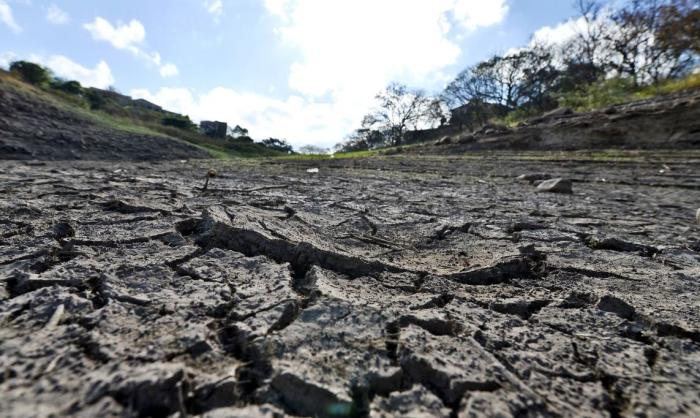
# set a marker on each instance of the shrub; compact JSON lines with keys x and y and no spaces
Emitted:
{"x":277,"y":145}
{"x":604,"y":93}
{"x":95,"y":99}
{"x":178,"y":121}
{"x":70,"y":87}
{"x":30,"y":72}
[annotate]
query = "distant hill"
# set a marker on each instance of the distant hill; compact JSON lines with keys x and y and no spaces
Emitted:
{"x":51,"y":119}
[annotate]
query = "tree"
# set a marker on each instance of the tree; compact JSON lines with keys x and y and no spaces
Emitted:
{"x":679,"y":32}
{"x":588,"y":48}
{"x":538,"y":78}
{"x":277,"y":145}
{"x":238,"y":131}
{"x":400,"y":109}
{"x":437,"y":113}
{"x":651,"y":41}
{"x":30,"y":72}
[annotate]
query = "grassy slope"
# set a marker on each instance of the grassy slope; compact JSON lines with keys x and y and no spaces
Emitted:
{"x":617,"y":91}
{"x":134,"y":120}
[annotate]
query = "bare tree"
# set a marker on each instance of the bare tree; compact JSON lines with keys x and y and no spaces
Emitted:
{"x":589,"y":43}
{"x":654,"y":39}
{"x":400,"y":109}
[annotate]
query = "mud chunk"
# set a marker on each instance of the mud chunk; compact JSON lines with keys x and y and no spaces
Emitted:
{"x":492,"y":404}
{"x":616,"y":244}
{"x":330,"y":353}
{"x":558,"y":185}
{"x":63,"y":230}
{"x":253,"y":411}
{"x":449,"y":366}
{"x":417,"y":402}
{"x":619,"y":307}
{"x":156,"y":389}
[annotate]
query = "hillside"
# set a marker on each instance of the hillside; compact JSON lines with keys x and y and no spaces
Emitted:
{"x":47,"y":123}
{"x":669,"y":122}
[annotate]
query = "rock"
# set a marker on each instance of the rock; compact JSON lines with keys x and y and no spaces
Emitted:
{"x":616,"y":244}
{"x":697,"y":217}
{"x":533,"y":177}
{"x":558,"y":185}
{"x":465,"y":139}
{"x":63,"y":230}
{"x":445,"y":140}
{"x":562,"y":111}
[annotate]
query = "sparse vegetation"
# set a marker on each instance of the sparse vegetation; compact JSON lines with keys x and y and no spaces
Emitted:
{"x":109,"y":108}
{"x":621,"y":90}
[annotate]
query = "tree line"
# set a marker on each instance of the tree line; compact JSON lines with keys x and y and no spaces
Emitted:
{"x":642,"y":42}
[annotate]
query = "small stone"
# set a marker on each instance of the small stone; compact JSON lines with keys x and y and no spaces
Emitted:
{"x":445,"y":140}
{"x":65,"y":230}
{"x":465,"y":139}
{"x":562,"y":111}
{"x":533,"y":177}
{"x":555,"y":186}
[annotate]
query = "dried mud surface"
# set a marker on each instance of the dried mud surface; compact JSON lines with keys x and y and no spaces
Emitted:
{"x":389,"y":287}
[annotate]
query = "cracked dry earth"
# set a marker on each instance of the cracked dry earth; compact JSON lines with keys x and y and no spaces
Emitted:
{"x":411,"y":287}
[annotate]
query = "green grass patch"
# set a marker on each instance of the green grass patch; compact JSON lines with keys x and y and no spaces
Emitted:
{"x":617,"y":91}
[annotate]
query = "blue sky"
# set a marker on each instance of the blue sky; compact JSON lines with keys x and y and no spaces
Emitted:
{"x":304,"y":70}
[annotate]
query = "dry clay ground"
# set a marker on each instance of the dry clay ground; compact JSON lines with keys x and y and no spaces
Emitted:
{"x":384,"y":287}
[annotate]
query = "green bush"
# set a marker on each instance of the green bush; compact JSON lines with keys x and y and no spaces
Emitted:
{"x":95,"y":99}
{"x":179,"y":121}
{"x":30,"y":72}
{"x":70,"y":87}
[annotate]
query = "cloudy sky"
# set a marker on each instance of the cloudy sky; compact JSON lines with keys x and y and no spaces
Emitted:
{"x":303,"y":70}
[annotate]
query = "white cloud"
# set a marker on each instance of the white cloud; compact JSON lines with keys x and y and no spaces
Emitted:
{"x":6,"y":58}
{"x":297,"y":119}
{"x":348,"y":50}
{"x":100,"y":76}
{"x":215,"y":8}
{"x":407,"y":39}
{"x":559,"y":34}
{"x":129,"y":37}
{"x":123,"y":36}
{"x":168,"y":70}
{"x":473,"y":14}
{"x":7,"y":18}
{"x":57,"y":16}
